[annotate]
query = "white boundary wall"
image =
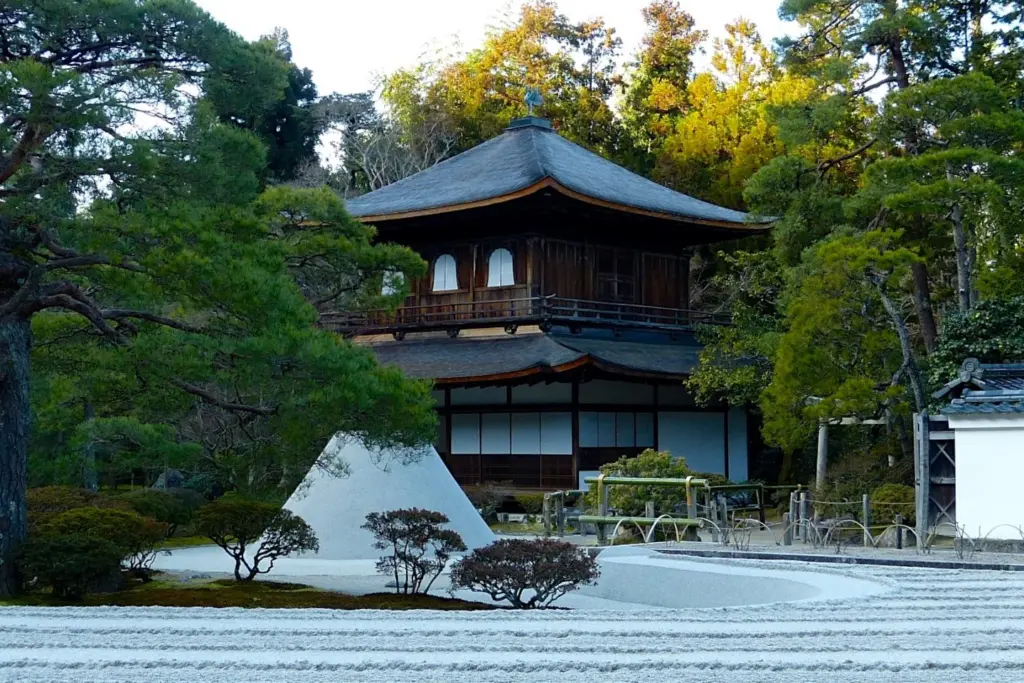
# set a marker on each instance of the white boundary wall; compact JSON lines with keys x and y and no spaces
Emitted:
{"x":989,"y":474}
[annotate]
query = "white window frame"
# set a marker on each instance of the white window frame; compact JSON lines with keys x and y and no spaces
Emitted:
{"x":500,"y":272}
{"x":446,"y":274}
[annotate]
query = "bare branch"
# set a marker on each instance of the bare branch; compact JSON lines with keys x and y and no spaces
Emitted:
{"x":121,"y":313}
{"x":210,"y":397}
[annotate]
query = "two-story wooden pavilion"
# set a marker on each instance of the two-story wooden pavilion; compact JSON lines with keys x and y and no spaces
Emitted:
{"x":555,"y":319}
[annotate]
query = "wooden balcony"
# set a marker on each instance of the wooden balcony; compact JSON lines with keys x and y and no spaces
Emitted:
{"x":511,"y":313}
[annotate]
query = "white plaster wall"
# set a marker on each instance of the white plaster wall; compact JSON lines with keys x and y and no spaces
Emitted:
{"x":698,"y":437}
{"x":989,"y":474}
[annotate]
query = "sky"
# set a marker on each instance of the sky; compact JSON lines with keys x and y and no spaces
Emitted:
{"x":348,"y":43}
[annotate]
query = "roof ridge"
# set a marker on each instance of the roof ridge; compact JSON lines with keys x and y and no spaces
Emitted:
{"x":542,"y":171}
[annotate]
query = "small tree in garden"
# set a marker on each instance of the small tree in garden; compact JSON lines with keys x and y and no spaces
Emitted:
{"x":136,"y":536}
{"x":418,"y":545}
{"x":235,"y":524}
{"x":527,"y":574}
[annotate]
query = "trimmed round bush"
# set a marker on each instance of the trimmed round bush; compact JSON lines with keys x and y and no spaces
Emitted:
{"x":889,"y":499}
{"x":134,"y":535}
{"x":532,"y":503}
{"x":47,"y":502}
{"x":72,"y":565}
{"x":526,"y":574}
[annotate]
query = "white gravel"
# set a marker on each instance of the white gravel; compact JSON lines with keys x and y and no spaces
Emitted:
{"x":851,"y":623}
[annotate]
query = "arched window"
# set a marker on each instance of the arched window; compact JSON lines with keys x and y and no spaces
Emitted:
{"x":392,"y":282}
{"x":499,"y":269}
{"x":445,"y":278}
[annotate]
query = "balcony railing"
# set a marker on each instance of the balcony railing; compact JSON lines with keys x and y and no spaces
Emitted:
{"x":545,"y":311}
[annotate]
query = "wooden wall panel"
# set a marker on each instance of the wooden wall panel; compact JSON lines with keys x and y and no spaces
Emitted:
{"x":661,"y":286}
{"x":554,"y":267}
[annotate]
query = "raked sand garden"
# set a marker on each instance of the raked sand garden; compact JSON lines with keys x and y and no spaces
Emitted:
{"x":651,"y":617}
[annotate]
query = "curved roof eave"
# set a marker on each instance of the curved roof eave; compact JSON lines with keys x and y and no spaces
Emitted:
{"x":525,"y":159}
{"x":550,"y":183}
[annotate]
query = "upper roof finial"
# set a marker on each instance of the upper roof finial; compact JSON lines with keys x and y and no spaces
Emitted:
{"x":533,"y":99}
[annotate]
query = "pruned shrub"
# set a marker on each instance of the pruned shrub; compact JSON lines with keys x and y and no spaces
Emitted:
{"x":417,"y":546}
{"x":526,"y":574}
{"x":532,"y":503}
{"x":47,"y":502}
{"x":889,"y":499}
{"x":175,"y":508}
{"x":632,"y":500}
{"x":136,"y":536}
{"x":235,"y":524}
{"x":70,"y":565}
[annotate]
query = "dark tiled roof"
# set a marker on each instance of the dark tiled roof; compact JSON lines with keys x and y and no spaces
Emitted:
{"x":454,"y":359}
{"x":524,"y":155}
{"x":961,"y":407}
{"x":982,"y":389}
{"x":653,"y":358}
{"x":469,"y":357}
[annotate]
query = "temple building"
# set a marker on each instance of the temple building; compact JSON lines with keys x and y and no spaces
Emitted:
{"x":555,"y":318}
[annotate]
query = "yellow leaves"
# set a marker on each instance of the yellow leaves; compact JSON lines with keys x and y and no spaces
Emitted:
{"x":665,"y":97}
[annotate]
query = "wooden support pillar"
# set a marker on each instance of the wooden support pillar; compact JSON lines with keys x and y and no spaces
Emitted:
{"x":684,"y":281}
{"x":822,"y":465}
{"x":866,"y":519}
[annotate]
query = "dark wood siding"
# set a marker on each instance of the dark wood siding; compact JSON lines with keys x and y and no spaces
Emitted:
{"x":571,"y":270}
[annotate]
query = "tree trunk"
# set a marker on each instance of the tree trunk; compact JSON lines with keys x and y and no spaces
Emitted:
{"x":89,"y":478}
{"x":15,"y":343}
{"x":923,"y":304}
{"x":909,"y":362}
{"x":963,"y":265}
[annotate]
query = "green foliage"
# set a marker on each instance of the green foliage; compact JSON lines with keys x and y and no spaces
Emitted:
{"x":888,"y":500}
{"x":532,"y":503}
{"x":526,"y":574}
{"x":291,"y":126}
{"x":236,"y":524}
{"x":174,"y":507}
{"x":418,"y":547}
{"x":632,"y":500}
{"x":736,"y":362}
{"x":993,"y":332}
{"x":70,"y":566}
{"x":859,"y":470}
{"x":48,"y":502}
{"x":839,"y":346}
{"x":136,"y":536}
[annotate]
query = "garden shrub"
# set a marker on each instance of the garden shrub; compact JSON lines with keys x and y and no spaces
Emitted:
{"x":47,"y":502}
{"x":489,"y":497}
{"x":532,"y":503}
{"x":888,"y":500}
{"x":632,"y":500}
{"x":175,"y":507}
{"x":418,"y":546}
{"x":136,"y":536}
{"x":70,"y":565}
{"x":526,"y":574}
{"x":234,"y":524}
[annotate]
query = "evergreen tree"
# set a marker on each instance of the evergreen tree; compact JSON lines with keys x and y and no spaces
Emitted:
{"x":145,"y":262}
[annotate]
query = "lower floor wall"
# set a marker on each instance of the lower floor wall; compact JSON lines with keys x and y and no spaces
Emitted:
{"x":556,"y":445}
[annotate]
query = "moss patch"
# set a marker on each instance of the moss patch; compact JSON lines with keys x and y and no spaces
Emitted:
{"x":166,"y":592}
